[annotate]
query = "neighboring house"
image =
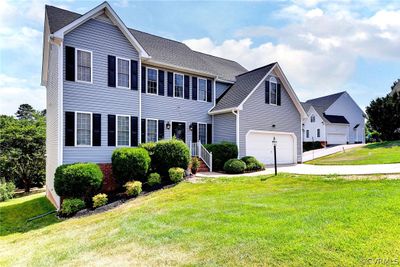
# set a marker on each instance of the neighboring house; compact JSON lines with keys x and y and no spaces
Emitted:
{"x":110,"y":86}
{"x":334,"y":119}
{"x":395,"y":87}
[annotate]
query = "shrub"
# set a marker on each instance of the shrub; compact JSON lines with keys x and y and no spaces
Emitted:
{"x":154,"y":179}
{"x":234,"y":166}
{"x":221,"y":153}
{"x":133,"y":188}
{"x":170,"y":153}
{"x":307,"y":146}
{"x":71,"y":206}
{"x":130,"y":163}
{"x":252,"y":164}
{"x":99,"y":200}
{"x":176,"y":174}
{"x":7,"y":190}
{"x":149,"y":147}
{"x":78,"y":180}
{"x":195,"y":165}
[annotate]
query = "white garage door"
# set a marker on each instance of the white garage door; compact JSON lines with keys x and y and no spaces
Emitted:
{"x":259,"y":145}
{"x":336,"y":139}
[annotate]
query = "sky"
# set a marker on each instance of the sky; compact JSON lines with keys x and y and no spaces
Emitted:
{"x":323,"y":46}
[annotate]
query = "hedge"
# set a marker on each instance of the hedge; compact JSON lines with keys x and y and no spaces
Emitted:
{"x":71,"y":206}
{"x":234,"y":166}
{"x":221,"y":153}
{"x":252,"y":164}
{"x":176,"y":174}
{"x":130,"y":163}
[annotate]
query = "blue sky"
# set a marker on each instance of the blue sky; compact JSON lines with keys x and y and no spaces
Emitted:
{"x":323,"y":46}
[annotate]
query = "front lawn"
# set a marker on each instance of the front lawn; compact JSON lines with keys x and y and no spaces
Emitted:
{"x":284,"y":220}
{"x":376,"y":153}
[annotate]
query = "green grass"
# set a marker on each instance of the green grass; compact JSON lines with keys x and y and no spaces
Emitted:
{"x":376,"y":153}
{"x":284,"y":220}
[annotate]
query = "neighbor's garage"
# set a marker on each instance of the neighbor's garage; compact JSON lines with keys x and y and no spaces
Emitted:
{"x":259,"y":145}
{"x":336,"y":139}
{"x":337,"y":134}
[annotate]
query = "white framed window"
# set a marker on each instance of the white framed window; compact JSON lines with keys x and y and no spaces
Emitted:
{"x":308,"y":133}
{"x":152,"y":81}
{"x":178,"y":85}
{"x":123,"y":72}
{"x":123,"y":130}
{"x":312,"y":119}
{"x":318,"y":133}
{"x":83,"y":128}
{"x":273,"y":88}
{"x":202,"y":89}
{"x":83,"y":65}
{"x":202,"y":133}
{"x":151,"y":130}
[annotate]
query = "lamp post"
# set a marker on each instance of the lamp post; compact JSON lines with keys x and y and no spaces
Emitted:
{"x":274,"y":142}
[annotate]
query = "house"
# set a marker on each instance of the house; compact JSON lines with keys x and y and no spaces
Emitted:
{"x":395,"y":87}
{"x":110,"y":86}
{"x":334,"y":119}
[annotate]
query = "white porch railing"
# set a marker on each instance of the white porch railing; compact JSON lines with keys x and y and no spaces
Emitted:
{"x":198,"y":150}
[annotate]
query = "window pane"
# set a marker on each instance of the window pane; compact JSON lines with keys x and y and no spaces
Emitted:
{"x":202,"y":133}
{"x":202,"y":90}
{"x":178,"y":85}
{"x":123,"y":73}
{"x":84,"y":66}
{"x":123,"y":131}
{"x":152,"y":81}
{"x":273,"y":93}
{"x":83,"y":129}
{"x":151,"y":131}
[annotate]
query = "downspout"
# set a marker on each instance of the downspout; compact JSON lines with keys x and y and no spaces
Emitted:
{"x":140,"y":99}
{"x":237,"y":129}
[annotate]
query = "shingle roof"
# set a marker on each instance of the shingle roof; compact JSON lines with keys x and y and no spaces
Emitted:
{"x":336,"y":119}
{"x":161,"y":49}
{"x":321,"y":109}
{"x":244,"y":84}
{"x":326,"y":101}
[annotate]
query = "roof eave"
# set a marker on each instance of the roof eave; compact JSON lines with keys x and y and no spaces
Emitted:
{"x":178,"y":68}
{"x":222,"y":111}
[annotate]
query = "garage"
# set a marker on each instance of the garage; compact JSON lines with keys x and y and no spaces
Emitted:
{"x":259,"y":145}
{"x":336,"y":139}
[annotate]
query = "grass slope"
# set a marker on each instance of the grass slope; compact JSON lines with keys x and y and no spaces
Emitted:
{"x":284,"y":220}
{"x":376,"y":153}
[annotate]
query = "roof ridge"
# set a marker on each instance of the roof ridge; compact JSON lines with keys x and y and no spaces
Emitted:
{"x":159,"y":37}
{"x":257,"y":69}
{"x":339,"y":93}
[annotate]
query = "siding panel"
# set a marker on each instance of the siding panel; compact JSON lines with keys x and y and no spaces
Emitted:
{"x":225,"y":128}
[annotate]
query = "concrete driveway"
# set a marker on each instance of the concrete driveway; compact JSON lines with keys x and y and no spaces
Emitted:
{"x":317,"y":153}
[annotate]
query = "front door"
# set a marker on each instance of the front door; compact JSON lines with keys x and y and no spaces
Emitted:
{"x":179,"y":130}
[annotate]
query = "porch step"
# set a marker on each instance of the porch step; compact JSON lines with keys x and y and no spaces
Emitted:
{"x":203,"y":167}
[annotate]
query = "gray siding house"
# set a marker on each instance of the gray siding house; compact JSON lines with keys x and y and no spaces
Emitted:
{"x":110,"y":86}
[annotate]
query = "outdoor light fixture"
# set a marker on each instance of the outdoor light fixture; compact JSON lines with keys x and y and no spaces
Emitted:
{"x":168,"y":125}
{"x":191,"y":127}
{"x":274,"y":143}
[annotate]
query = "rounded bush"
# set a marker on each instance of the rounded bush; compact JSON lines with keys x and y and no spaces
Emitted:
{"x":176,"y":174}
{"x":99,"y":200}
{"x":78,"y":180}
{"x":7,"y":190}
{"x":234,"y":166}
{"x":154,"y":179}
{"x":170,"y":153}
{"x":130,"y":163}
{"x":252,"y":164}
{"x":150,"y":146}
{"x":71,"y":206}
{"x":221,"y":153}
{"x":133,"y":188}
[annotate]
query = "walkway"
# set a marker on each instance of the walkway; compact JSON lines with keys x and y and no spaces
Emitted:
{"x":317,"y":153}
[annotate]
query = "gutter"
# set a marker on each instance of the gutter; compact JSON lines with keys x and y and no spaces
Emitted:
{"x":237,"y":129}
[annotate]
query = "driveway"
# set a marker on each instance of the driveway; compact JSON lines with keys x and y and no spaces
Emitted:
{"x":317,"y":153}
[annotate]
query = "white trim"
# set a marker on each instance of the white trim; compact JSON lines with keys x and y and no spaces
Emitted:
{"x":183,"y":85}
{"x":222,"y":111}
{"x":76,"y":65}
{"x":198,"y":89}
{"x":140,"y":102}
{"x":198,"y":131}
{"x":147,"y":81}
{"x":60,"y":104}
{"x":116,"y":130}
{"x":129,"y":73}
{"x":270,"y":90}
{"x":237,"y":131}
{"x":172,"y":121}
{"x":145,"y":133}
{"x":76,"y":129}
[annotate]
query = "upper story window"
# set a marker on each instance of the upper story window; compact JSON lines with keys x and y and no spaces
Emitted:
{"x":123,"y":130}
{"x":83,"y":129}
{"x":203,"y":133}
{"x":151,"y":131}
{"x":273,"y":95}
{"x":308,"y":133}
{"x":202,"y":87}
{"x":178,"y":85}
{"x":152,"y":76}
{"x":312,"y":119}
{"x":123,"y":73}
{"x":83,"y":65}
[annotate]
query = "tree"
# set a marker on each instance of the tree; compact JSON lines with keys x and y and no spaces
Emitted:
{"x":25,"y":111}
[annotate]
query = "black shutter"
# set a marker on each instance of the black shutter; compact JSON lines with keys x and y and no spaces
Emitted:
{"x":161,"y":130}
{"x":209,"y":133}
{"x":69,"y":63}
{"x":143,"y":135}
{"x":186,"y":87}
{"x":161,"y":82}
{"x":194,"y":88}
{"x":194,"y":132}
{"x":96,"y":129}
{"x":134,"y":75}
{"x":143,"y":79}
{"x":111,"y":71}
{"x":278,"y":94}
{"x":111,"y":130}
{"x":170,"y":84}
{"x":134,"y":131}
{"x":69,"y":128}
{"x":267,"y":92}
{"x":209,"y":89}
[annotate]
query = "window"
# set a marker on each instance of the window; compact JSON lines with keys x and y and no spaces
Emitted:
{"x":151,"y":133}
{"x":203,"y":133}
{"x":123,"y":73}
{"x":273,"y":87}
{"x":318,"y":133}
{"x":83,"y":66}
{"x":123,"y":131}
{"x":152,"y":81}
{"x":83,"y":129}
{"x":308,"y":133}
{"x":179,"y":85}
{"x":202,"y":87}
{"x":312,"y":118}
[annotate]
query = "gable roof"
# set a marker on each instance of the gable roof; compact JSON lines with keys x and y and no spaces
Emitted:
{"x":321,"y":112}
{"x":325,"y":102}
{"x":336,"y":119}
{"x":161,"y":50}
